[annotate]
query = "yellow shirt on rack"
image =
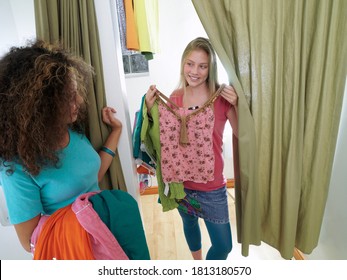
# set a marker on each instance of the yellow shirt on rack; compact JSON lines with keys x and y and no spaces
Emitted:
{"x":146,"y":16}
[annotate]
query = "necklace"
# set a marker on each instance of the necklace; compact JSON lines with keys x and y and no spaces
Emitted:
{"x":193,"y":108}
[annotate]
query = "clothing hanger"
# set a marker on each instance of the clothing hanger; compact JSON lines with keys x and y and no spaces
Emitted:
{"x":184,"y":118}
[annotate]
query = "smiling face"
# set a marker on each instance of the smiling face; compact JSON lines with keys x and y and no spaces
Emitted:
{"x":199,"y":53}
{"x":196,"y":68}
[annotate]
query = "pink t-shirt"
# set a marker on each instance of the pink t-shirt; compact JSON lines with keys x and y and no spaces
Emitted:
{"x":221,"y":107}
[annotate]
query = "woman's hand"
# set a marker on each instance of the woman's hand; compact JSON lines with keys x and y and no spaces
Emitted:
{"x":151,"y":96}
{"x":230,"y":95}
{"x":109,"y":118}
{"x":112,"y":140}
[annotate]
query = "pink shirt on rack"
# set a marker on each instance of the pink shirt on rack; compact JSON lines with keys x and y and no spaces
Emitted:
{"x":221,"y":107}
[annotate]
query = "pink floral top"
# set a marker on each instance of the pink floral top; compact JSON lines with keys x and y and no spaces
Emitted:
{"x":220,"y":109}
{"x":193,"y":161}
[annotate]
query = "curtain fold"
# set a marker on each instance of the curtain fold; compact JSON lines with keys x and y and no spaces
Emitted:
{"x":287,"y":61}
{"x":74,"y":24}
{"x":244,"y":148}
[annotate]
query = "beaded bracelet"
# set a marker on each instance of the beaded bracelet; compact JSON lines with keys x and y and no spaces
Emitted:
{"x":108,"y":151}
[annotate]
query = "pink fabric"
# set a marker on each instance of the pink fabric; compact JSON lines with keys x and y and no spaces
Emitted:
{"x":221,"y":108}
{"x":104,"y":244}
{"x":193,"y":162}
{"x":36,"y":233}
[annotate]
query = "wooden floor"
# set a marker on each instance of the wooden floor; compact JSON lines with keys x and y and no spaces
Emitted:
{"x":165,"y":237}
{"x":164,"y":231}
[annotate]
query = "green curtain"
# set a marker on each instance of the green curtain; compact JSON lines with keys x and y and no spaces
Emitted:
{"x":73,"y":22}
{"x":288,"y":62}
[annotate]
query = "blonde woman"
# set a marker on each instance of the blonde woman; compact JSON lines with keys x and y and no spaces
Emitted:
{"x":207,"y":200}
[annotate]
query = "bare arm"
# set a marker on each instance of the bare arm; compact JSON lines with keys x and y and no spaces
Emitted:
{"x":111,"y":142}
{"x":230,"y":95}
{"x":232,"y":117}
{"x":25,"y":230}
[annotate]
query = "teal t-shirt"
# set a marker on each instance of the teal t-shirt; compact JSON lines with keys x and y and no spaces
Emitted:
{"x":54,"y":187}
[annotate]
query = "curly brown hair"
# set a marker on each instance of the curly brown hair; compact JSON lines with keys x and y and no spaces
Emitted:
{"x":34,"y":103}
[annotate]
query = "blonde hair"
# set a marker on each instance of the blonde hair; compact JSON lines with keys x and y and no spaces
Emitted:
{"x":204,"y":44}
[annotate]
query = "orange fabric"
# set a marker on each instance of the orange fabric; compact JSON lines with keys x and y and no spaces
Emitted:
{"x":63,"y":238}
{"x":132,"y":38}
{"x":143,"y":170}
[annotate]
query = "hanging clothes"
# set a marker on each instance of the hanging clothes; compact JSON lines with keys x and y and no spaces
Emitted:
{"x":132,"y":41}
{"x":141,"y":156}
{"x":179,"y":127}
{"x":147,"y":23}
{"x":123,"y":29}
{"x":171,"y":192}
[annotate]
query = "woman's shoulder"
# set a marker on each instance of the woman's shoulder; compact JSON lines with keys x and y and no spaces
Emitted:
{"x":177,"y":96}
{"x":221,"y":102}
{"x":76,"y":138}
{"x":77,"y":135}
{"x":221,"y":106}
{"x":177,"y":93}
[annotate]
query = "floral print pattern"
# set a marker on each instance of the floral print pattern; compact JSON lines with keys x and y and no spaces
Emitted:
{"x":191,"y":162}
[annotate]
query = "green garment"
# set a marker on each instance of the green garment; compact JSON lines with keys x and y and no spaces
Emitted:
{"x":120,"y":212}
{"x":151,"y":138}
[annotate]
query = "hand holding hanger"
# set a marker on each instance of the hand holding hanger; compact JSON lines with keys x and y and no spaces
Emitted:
{"x":151,"y":95}
{"x":230,"y":95}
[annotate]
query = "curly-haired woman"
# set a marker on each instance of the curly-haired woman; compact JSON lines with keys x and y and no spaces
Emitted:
{"x":46,"y":161}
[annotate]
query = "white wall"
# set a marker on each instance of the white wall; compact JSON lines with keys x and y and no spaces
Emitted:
{"x":332,"y":240}
{"x":17,"y":24}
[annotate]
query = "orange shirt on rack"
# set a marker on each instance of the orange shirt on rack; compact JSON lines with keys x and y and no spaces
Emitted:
{"x":132,"y":41}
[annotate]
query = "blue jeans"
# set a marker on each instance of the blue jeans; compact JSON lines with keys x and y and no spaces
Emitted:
{"x":211,"y":206}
